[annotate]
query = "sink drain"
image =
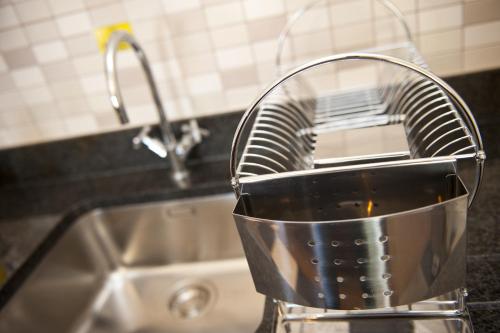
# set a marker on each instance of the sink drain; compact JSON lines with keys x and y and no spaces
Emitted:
{"x":190,"y":301}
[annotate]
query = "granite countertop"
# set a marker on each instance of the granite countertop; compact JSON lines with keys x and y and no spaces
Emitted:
{"x":34,"y":200}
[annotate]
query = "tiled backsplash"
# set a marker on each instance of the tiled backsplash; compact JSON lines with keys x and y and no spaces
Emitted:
{"x":207,"y":56}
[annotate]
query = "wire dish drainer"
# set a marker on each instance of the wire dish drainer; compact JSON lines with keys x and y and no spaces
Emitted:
{"x":352,"y":197}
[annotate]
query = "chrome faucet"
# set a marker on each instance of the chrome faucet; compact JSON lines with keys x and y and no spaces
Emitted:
{"x":168,"y":145}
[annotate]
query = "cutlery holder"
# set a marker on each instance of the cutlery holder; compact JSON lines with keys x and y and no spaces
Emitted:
{"x":362,"y":238}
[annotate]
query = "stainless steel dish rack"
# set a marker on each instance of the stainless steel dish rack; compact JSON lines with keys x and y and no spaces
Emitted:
{"x":352,"y":198}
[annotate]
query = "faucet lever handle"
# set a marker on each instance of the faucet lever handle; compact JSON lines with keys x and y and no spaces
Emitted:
{"x":153,"y":144}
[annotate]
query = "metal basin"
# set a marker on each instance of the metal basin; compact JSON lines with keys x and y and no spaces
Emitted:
{"x":174,"y":266}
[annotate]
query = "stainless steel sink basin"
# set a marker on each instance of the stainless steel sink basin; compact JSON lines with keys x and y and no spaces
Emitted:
{"x":174,"y":266}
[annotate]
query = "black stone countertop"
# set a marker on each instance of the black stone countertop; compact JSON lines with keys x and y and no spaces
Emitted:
{"x":41,"y":182}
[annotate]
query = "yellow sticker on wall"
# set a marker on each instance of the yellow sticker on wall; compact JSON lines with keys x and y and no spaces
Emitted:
{"x":102,"y":35}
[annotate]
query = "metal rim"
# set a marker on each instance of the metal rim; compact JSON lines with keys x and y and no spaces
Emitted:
{"x":462,"y":106}
{"x":300,"y":12}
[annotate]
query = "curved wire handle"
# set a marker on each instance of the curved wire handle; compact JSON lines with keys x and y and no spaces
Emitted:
{"x":463,"y":108}
{"x":299,"y":13}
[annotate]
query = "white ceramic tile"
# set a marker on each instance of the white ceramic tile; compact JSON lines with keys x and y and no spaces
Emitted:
{"x":94,"y":83}
{"x":12,"y":39}
{"x":180,"y":108}
{"x":227,"y":36}
{"x":435,"y":3}
{"x":44,"y":112}
{"x":405,"y":6}
{"x":256,"y":9}
{"x":11,"y":99}
{"x":109,"y":14}
{"x":81,"y":124}
{"x":205,"y":83}
{"x":41,"y":31}
{"x":81,"y":45}
{"x":342,"y":13}
{"x":99,"y":103}
{"x":159,"y":71}
{"x":149,"y":30}
{"x":23,"y":135}
{"x":312,"y":43}
{"x":446,"y":64}
{"x":173,"y":69}
{"x":353,"y":37}
{"x":224,"y":14}
{"x":266,"y":72}
{"x":97,"y":3}
{"x":3,"y":65}
{"x":137,"y":95}
{"x":441,"y":42}
{"x":8,"y":17}
{"x":440,"y":18}
{"x":107,"y":121}
{"x":142,"y":114}
{"x":27,"y":77}
{"x":65,"y":6}
{"x":66,"y":89}
{"x":37,"y":95}
{"x":198,"y":64}
{"x":32,"y":10}
{"x":90,"y":64}
{"x":73,"y":106}
{"x":175,"y":6}
{"x":210,"y":103}
{"x":137,"y":9}
{"x":49,"y":52}
{"x":482,"y":58}
{"x":16,"y":116}
{"x":234,"y":57}
{"x":240,"y":98}
{"x":482,"y":34}
{"x":73,"y":24}
{"x":265,"y":50}
{"x":294,"y":5}
{"x":389,"y":30}
{"x":52,"y":129}
{"x":315,"y":19}
{"x":192,"y":44}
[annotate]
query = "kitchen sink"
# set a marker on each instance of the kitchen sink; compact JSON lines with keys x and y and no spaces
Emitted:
{"x":172,"y":266}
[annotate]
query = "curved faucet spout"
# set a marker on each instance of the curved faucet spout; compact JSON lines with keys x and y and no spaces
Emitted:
{"x":179,"y":172}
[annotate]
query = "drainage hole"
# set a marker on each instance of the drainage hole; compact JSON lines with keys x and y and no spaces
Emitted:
{"x":362,"y":260}
{"x":386,"y":276}
{"x":364,"y":295}
{"x":321,"y":295}
{"x":311,"y":243}
{"x":342,"y":296}
{"x":337,"y":262}
{"x":356,"y":204}
{"x":340,"y":279}
{"x":314,"y":261}
{"x":385,"y":257}
{"x":359,"y":242}
{"x":388,"y":292}
{"x":383,"y":239}
{"x":362,"y":278}
{"x":335,"y":243}
{"x":316,"y":278}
